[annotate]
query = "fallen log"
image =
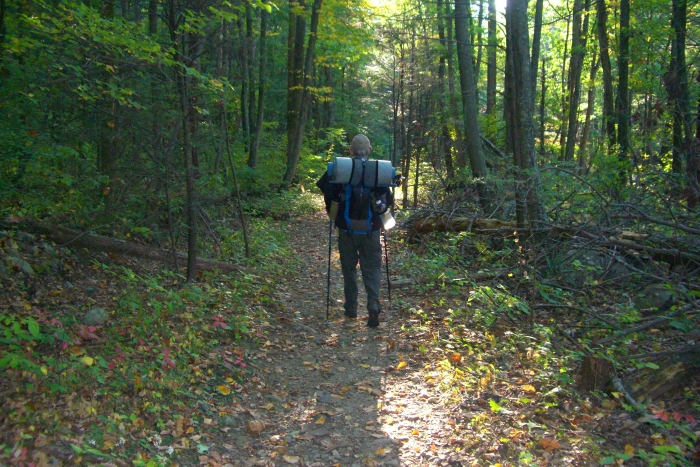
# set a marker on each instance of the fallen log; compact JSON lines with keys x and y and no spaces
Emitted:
{"x":75,"y":238}
{"x":445,"y":223}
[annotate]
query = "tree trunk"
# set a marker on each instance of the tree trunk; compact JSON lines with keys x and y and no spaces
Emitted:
{"x":608,"y":98}
{"x":303,"y":96}
{"x":471,"y":124}
{"x":455,"y":144}
{"x":245,"y":82}
{"x":564,"y":87}
{"x":262,"y":76}
{"x":444,"y":146}
{"x":536,"y":39}
{"x":491,"y":60}
{"x":589,"y":113}
{"x":543,"y":90}
{"x":153,"y":17}
{"x":623,"y":110}
{"x":480,"y":50}
{"x":578,"y":52}
{"x":523,"y":144}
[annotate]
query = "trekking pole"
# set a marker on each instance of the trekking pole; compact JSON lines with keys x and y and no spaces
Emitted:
{"x":386,"y":261}
{"x":328,"y":288}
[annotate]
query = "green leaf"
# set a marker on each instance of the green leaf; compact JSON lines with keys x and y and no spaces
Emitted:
{"x":667,"y":449}
{"x":33,"y":327}
{"x":607,"y":460}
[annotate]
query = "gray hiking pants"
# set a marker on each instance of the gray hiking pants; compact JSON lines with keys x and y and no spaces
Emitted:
{"x":368,"y":251}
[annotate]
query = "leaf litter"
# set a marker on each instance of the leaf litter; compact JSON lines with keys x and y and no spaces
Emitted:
{"x":212,"y":387}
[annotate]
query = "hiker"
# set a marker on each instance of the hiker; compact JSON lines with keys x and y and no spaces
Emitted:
{"x":359,"y":225}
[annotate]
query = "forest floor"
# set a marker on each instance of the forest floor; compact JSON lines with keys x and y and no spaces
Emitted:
{"x":430,"y":386}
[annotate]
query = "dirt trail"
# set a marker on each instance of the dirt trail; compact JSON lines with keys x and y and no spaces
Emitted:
{"x":337,"y":392}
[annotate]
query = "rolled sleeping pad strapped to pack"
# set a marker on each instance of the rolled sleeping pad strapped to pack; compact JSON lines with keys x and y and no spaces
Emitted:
{"x":348,"y":170}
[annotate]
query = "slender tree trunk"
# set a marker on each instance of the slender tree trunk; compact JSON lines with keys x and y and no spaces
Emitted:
{"x":543,"y":90}
{"x":480,"y":48}
{"x":262,"y":76}
{"x":302,"y":98}
{"x":250,"y":78}
{"x":623,"y":110}
{"x":589,"y":113}
{"x":536,"y":39}
{"x":471,"y":124}
{"x":565,"y":78}
{"x":523,"y":144}
{"x":491,"y":60}
{"x":444,"y":152}
{"x":245,"y":82}
{"x":578,"y":52}
{"x":608,"y":98}
{"x":456,"y":145}
{"x":153,"y":17}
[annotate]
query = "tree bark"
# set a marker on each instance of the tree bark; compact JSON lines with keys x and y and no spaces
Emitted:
{"x":589,"y":113}
{"x":444,"y":146}
{"x":153,"y":17}
{"x":536,"y":39}
{"x":608,"y":98}
{"x":491,"y":60}
{"x":303,"y":96}
{"x":471,"y":124}
{"x":623,"y":110}
{"x":578,"y":52}
{"x":523,"y":132}
{"x":262,"y":76}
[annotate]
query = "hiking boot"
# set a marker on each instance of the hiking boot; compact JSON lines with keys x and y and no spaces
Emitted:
{"x":373,"y":319}
{"x":350,"y":313}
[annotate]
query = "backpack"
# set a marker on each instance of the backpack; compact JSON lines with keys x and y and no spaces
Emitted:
{"x":361,"y":188}
{"x":356,"y":207}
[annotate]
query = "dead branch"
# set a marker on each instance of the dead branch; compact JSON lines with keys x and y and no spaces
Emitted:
{"x":650,"y":324}
{"x":476,"y":277}
{"x":661,"y":355}
{"x":75,"y":238}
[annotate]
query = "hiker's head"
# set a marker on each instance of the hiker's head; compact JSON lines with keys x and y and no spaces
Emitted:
{"x":360,"y":146}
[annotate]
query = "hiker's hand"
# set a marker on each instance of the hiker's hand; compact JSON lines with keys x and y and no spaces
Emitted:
{"x":397,"y":180}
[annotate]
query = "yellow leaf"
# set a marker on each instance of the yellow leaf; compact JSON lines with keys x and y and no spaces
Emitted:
{"x":379,"y":451}
{"x":44,"y":370}
{"x":629,"y":450}
{"x":415,"y":432}
{"x":364,"y":365}
{"x":87,"y":360}
{"x":320,"y":421}
{"x":401,"y":365}
{"x":528,"y":388}
{"x":189,"y":430}
{"x":269,"y":406}
{"x":344,"y":389}
{"x":223,"y":389}
{"x":229,"y":380}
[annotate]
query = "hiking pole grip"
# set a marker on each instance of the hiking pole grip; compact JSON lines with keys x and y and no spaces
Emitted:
{"x":328,"y":287}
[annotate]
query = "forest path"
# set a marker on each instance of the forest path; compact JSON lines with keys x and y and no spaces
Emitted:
{"x":334,"y":392}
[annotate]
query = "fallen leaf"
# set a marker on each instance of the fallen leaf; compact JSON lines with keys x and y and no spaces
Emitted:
{"x":87,"y":360}
{"x":401,"y":365}
{"x":223,"y":389}
{"x":629,"y":450}
{"x":320,"y":421}
{"x":548,"y":444}
{"x":290,"y":459}
{"x":364,"y":365}
{"x":528,"y":388}
{"x":415,"y":432}
{"x":456,"y":357}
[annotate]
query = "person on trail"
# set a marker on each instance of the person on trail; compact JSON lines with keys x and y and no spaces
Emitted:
{"x":359,"y":225}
